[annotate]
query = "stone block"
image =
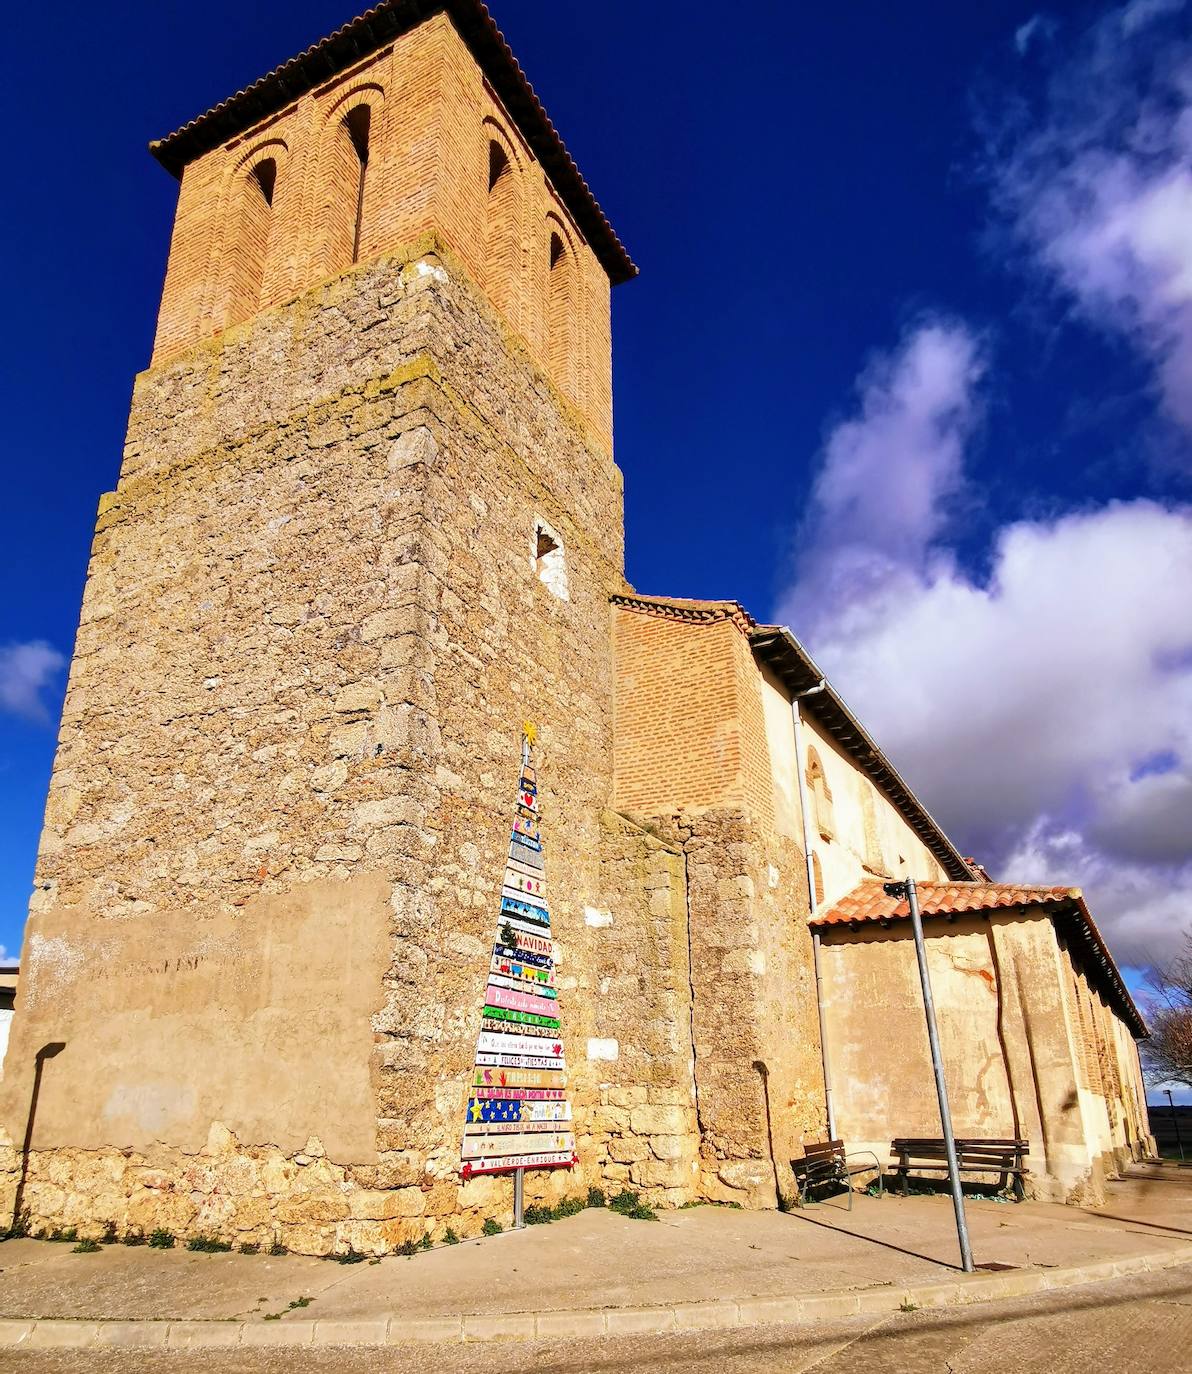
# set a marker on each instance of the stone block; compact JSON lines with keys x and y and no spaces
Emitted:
{"x":707,"y":1316}
{"x":627,"y":1149}
{"x":820,"y":1307}
{"x":640,"y":1321}
{"x":282,"y":1332}
{"x":498,"y":1328}
{"x":434,"y":1329}
{"x":660,"y":1120}
{"x":133,"y":1335}
{"x":570,"y":1325}
{"x":56,"y":1335}
{"x":197,"y":1335}
{"x":364,"y":1332}
{"x":659,"y":1173}
{"x":769,"y":1311}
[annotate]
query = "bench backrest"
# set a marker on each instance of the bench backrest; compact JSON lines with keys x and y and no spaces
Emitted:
{"x":970,"y":1152}
{"x":823,"y":1149}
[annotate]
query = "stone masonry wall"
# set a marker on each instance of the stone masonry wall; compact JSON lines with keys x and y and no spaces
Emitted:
{"x":311,"y":630}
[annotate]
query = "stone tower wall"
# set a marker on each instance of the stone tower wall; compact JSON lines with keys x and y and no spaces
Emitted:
{"x":274,"y":841}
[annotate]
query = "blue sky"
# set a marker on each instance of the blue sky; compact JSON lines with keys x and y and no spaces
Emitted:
{"x":909,"y":365}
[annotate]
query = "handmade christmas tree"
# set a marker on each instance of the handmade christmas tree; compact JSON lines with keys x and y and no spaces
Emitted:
{"x":518,"y":1114}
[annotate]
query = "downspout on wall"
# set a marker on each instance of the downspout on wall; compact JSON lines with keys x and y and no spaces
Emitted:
{"x":797,"y":721}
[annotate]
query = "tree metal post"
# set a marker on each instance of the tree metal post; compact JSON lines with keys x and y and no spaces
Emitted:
{"x":519,"y":1219}
{"x":1175,"y":1121}
{"x":906,"y":890}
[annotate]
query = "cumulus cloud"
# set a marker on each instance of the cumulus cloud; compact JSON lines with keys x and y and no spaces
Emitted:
{"x":887,"y":473}
{"x":1044,"y":711}
{"x":26,"y":671}
{"x":1095,"y":181}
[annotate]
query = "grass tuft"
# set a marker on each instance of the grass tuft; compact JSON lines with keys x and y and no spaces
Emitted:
{"x":491,"y":1227}
{"x":208,"y":1245}
{"x":161,"y":1239}
{"x":629,"y":1204}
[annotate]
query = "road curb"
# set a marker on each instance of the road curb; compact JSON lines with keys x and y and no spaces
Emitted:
{"x":59,"y":1334}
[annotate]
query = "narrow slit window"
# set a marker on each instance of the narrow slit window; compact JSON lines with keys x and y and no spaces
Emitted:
{"x":560,"y":321}
{"x":357,"y":125}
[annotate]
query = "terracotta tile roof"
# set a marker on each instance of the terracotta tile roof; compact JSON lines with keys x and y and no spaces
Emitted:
{"x":365,"y":35}
{"x":688,"y":608}
{"x":868,"y":901}
{"x":867,"y":904}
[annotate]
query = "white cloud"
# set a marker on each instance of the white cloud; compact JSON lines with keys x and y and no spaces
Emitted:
{"x":1141,"y":909}
{"x":887,"y":474}
{"x":1043,"y":713}
{"x":26,"y":670}
{"x":1037,"y":29}
{"x":1098,"y":185}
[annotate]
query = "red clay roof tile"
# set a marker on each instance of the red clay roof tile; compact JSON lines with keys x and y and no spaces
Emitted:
{"x":868,"y":901}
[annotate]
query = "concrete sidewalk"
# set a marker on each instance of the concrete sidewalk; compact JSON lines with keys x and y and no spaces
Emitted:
{"x":597,"y":1273}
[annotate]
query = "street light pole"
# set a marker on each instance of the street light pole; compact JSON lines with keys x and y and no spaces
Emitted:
{"x":1175,"y":1121}
{"x":906,"y":890}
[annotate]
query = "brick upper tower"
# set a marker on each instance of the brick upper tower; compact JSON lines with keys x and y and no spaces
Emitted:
{"x":367,"y":523}
{"x":413,"y":118}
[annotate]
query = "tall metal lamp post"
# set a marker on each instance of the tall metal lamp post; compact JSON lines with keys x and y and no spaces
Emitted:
{"x":1175,"y":1121}
{"x":905,"y":891}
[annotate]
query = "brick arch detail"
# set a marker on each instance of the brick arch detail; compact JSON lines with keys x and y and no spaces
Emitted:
{"x":251,"y":230}
{"x":504,"y":265}
{"x":561,"y":315}
{"x":337,"y":180}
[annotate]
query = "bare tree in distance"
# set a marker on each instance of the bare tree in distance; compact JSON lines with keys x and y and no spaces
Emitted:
{"x":1167,"y":1055}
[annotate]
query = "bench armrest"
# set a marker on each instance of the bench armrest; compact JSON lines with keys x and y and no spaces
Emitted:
{"x":854,"y":1154}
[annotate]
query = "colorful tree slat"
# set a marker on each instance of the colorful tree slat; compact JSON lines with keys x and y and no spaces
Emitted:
{"x":518,"y":1115}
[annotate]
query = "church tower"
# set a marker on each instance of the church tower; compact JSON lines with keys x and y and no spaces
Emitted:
{"x":367,"y":523}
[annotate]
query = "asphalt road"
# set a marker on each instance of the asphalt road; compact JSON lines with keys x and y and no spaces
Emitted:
{"x":1139,"y":1325}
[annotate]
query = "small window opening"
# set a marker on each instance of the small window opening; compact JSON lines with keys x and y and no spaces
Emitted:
{"x":265,"y":176}
{"x":498,"y":163}
{"x":548,"y":560}
{"x":545,"y":545}
{"x":357,"y":122}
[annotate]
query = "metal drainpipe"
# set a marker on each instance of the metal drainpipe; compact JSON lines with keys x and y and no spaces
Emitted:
{"x":797,"y":720}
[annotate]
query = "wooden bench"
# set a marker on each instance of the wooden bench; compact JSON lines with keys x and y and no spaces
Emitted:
{"x":828,"y":1162}
{"x":925,"y":1154}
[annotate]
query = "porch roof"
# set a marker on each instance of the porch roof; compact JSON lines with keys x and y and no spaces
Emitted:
{"x":868,"y":903}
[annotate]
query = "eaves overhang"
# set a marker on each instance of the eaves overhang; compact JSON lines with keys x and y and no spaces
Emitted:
{"x":363,"y":36}
{"x":781,"y":652}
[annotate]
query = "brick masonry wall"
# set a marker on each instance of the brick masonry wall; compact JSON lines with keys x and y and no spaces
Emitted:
{"x":311,"y":630}
{"x":432,"y":120}
{"x":689,"y":723}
